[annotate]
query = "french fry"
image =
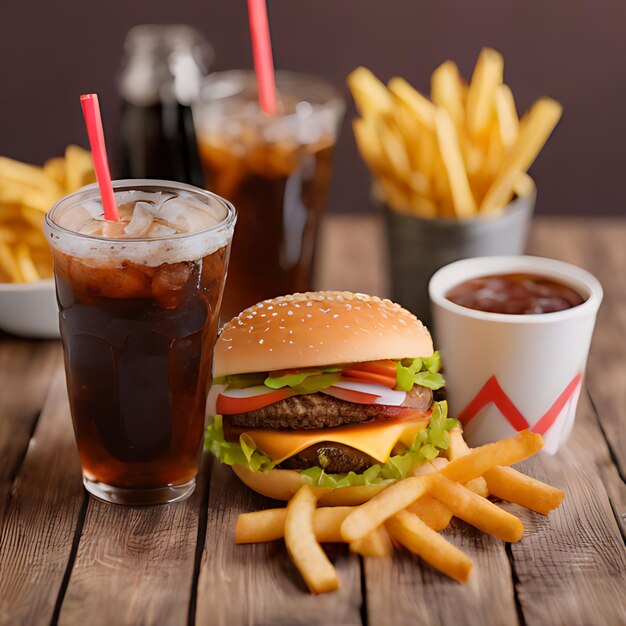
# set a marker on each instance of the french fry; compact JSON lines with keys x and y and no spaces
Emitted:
{"x":475,"y":510}
{"x":306,"y":553}
{"x":524,"y":186}
{"x":368,"y":144}
{"x":480,"y":460}
{"x":269,"y":525}
{"x":533,"y":134}
{"x":447,"y":93}
{"x":464,"y":203}
{"x":370,"y":94}
{"x":78,"y":168}
{"x":459,"y":448}
{"x":376,"y":544}
{"x":418,"y":538}
{"x":394,"y":151}
{"x":26,"y":174}
{"x":8,"y":265}
{"x":34,"y":217}
{"x":513,"y":486}
{"x":421,"y":107}
{"x":433,"y":513}
{"x":55,"y":169}
{"x":24,"y":261}
{"x":508,"y":122}
{"x":482,"y":89}
{"x":365,"y":518}
{"x":7,"y":235}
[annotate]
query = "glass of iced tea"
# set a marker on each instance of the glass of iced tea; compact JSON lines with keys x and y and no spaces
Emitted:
{"x":275,"y":169}
{"x":139,"y":303}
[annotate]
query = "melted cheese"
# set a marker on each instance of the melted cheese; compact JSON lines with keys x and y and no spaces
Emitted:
{"x":377,"y":439}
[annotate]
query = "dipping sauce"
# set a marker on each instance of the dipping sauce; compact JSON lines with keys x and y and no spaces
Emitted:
{"x":515,"y":294}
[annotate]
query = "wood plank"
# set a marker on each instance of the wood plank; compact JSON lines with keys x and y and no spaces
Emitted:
{"x":41,"y":518}
{"x":134,"y":564}
{"x":405,"y":590}
{"x":598,"y":246}
{"x":571,"y":566}
{"x":258,"y":584}
{"x":26,"y":369}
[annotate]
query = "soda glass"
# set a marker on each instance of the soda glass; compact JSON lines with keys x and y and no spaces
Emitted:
{"x":275,"y":169}
{"x":139,"y":304}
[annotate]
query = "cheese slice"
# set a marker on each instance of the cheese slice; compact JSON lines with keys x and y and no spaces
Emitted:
{"x":377,"y":439}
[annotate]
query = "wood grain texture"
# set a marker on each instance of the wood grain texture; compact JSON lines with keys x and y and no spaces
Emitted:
{"x":570,"y":567}
{"x":258,"y":584}
{"x":598,"y":245}
{"x":41,"y":518}
{"x":26,"y":370}
{"x":134,"y":564}
{"x":406,"y":590}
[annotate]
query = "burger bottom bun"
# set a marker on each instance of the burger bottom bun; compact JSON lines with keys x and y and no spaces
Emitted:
{"x":283,"y":484}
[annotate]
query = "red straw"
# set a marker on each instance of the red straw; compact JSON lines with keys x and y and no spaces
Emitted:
{"x":93,"y":121}
{"x":262,"y":52}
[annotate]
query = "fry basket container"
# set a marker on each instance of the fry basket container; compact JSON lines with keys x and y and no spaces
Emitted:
{"x":418,"y":247}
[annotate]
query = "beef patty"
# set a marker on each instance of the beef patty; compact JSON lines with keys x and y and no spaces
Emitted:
{"x":318,"y":410}
{"x":335,"y":458}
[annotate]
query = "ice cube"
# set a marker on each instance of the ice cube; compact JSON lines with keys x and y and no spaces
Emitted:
{"x":160,"y":230}
{"x":141,"y":220}
{"x":94,"y":208}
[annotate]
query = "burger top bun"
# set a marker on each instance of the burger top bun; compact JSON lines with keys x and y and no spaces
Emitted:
{"x":318,"y":328}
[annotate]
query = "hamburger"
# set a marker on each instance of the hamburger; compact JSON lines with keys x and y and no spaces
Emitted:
{"x":335,"y":389}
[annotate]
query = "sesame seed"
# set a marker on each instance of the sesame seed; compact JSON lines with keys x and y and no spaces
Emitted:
{"x":261,"y":341}
{"x":309,"y":315}
{"x":289,"y":312}
{"x":335,"y":316}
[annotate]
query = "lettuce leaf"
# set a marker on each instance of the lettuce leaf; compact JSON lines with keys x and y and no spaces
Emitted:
{"x":301,"y":379}
{"x":428,"y":444}
{"x":421,"y":371}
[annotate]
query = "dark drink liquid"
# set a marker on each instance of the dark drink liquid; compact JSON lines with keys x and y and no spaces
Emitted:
{"x":515,"y":294}
{"x":280,"y":194}
{"x":138,"y":338}
{"x":276,"y":170}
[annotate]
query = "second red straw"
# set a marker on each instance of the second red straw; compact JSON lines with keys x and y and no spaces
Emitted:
{"x":93,"y":121}
{"x":262,"y":52}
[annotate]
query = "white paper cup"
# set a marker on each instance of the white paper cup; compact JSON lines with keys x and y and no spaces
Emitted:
{"x":505,"y":373}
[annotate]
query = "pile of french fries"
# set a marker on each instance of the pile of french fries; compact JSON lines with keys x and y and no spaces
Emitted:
{"x":26,"y":193}
{"x":460,"y":153}
{"x":410,"y":512}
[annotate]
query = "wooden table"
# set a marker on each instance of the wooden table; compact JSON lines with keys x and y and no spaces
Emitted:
{"x":69,"y":559}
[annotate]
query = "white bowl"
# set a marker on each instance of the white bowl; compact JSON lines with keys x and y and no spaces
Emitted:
{"x":29,"y":309}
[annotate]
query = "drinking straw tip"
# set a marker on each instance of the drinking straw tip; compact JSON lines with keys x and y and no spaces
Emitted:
{"x":93,"y":121}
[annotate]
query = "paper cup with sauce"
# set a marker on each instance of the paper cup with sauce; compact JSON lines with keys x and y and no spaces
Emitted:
{"x":506,"y":372}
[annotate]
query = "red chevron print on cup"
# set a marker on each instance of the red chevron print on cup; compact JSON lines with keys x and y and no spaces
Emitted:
{"x":491,"y":391}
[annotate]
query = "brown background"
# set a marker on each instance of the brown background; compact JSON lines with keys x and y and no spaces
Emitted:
{"x":573,"y":50}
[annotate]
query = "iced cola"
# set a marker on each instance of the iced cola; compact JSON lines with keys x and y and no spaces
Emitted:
{"x":139,"y":304}
{"x":276,"y":170}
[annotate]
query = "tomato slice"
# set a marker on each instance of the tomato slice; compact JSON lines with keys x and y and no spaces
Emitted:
{"x":385,"y":367}
{"x":350,"y":395}
{"x":229,"y":402}
{"x":380,"y":372}
{"x":369,"y":377}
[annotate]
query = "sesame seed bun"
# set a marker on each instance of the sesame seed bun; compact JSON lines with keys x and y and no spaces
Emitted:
{"x":318,"y":328}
